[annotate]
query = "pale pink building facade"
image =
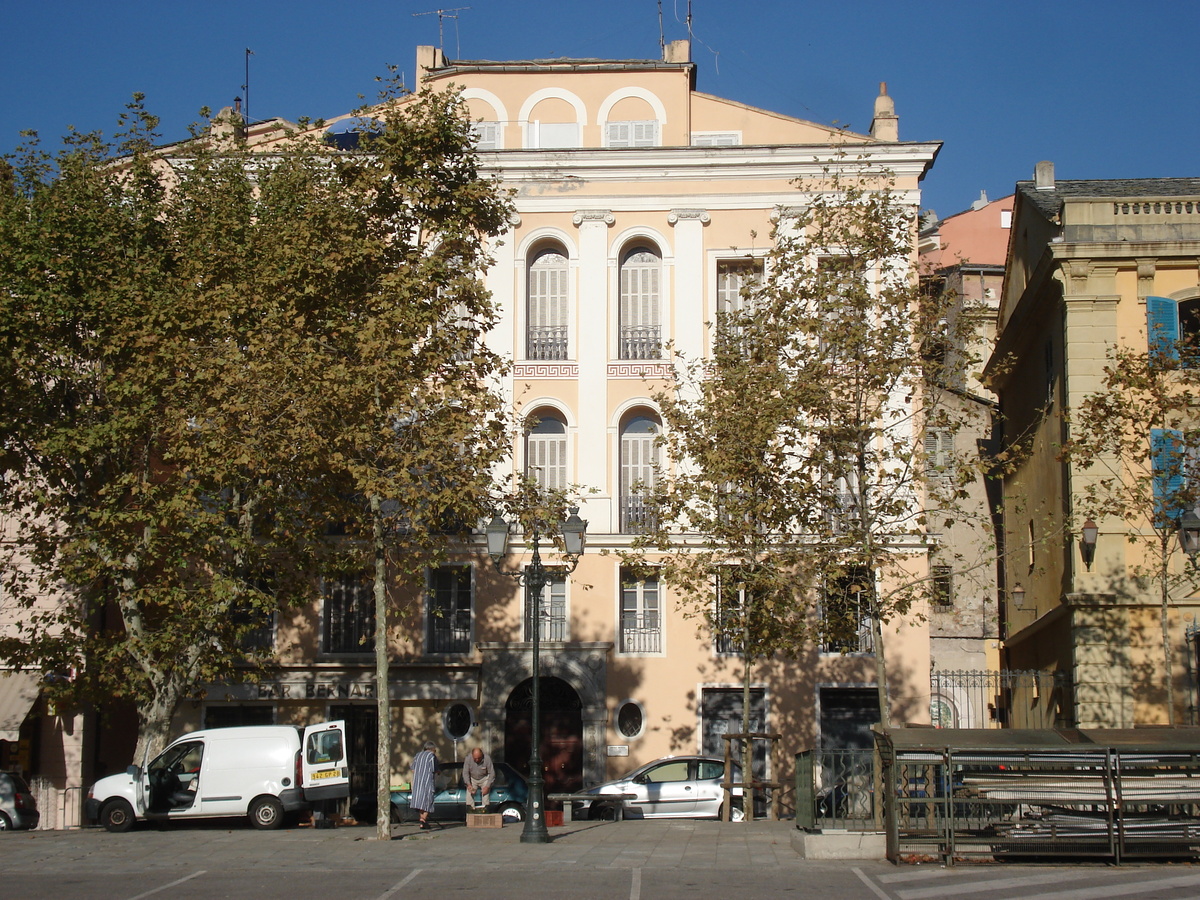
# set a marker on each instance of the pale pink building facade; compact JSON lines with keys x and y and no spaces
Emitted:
{"x":640,"y":203}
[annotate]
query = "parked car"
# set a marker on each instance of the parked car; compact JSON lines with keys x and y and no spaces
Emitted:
{"x":673,"y":787}
{"x":508,"y":797}
{"x":18,"y":809}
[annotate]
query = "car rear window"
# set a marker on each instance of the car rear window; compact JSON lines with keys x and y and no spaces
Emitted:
{"x":18,"y":782}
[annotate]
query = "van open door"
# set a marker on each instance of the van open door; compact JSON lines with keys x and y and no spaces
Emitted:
{"x":323,"y":762}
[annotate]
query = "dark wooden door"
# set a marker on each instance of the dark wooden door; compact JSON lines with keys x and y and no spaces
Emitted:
{"x":562,"y":733}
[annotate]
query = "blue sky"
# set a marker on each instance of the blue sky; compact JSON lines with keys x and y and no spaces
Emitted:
{"x":1105,"y":89}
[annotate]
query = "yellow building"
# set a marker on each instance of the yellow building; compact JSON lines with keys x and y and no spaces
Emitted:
{"x":1085,"y":257}
{"x":641,"y":205}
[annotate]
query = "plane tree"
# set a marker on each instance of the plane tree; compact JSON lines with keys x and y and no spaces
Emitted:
{"x":798,"y":502}
{"x":210,"y":354}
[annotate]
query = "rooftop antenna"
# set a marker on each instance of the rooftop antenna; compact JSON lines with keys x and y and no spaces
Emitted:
{"x":689,"y":21}
{"x":662,"y":40}
{"x":445,"y":14}
{"x":246,"y":86}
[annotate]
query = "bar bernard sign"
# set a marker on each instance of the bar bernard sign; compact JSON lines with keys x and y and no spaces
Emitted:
{"x":313,"y":690}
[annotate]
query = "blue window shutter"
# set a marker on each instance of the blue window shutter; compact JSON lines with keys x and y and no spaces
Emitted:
{"x":1166,"y":448}
{"x":1162,"y":326}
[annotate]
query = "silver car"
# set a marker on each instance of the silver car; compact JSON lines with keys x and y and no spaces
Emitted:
{"x":18,"y":809}
{"x":685,"y":787}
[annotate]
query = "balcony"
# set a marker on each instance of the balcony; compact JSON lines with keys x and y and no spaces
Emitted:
{"x":641,"y":342}
{"x":641,"y":633}
{"x":450,"y":633}
{"x":638,"y":515}
{"x":546,"y":343}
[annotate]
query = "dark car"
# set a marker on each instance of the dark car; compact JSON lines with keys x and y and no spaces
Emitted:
{"x":18,"y":809}
{"x":508,"y":797}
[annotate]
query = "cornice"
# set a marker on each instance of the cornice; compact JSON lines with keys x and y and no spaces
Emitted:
{"x":692,"y":163}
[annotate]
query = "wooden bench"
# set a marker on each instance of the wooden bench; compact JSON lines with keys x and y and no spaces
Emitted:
{"x":568,"y":800}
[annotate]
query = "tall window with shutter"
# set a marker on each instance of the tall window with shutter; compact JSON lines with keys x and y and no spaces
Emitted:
{"x":551,"y":613}
{"x":639,"y":463}
{"x":546,"y":307}
{"x":641,"y":277}
{"x":1176,"y":474}
{"x":546,"y":453}
{"x":1173,"y":329}
{"x":641,"y":617}
{"x":348,"y":617}
{"x":449,"y":618}
{"x":939,"y":455}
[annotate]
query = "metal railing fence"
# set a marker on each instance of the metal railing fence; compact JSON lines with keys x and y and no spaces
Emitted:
{"x":1005,"y":698}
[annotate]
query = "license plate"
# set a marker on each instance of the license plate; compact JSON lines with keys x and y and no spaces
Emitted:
{"x":328,"y":773}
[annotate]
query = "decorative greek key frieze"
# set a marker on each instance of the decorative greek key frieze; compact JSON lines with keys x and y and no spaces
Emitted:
{"x":545,"y":370}
{"x":639,"y":370}
{"x":594,"y":215}
{"x":676,"y":214}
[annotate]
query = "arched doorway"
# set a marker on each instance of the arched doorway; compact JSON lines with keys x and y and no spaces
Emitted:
{"x":562,"y":733}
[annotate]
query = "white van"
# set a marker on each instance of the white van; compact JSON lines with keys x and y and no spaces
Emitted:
{"x":257,"y":771}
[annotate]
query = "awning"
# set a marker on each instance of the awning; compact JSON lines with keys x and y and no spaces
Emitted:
{"x":18,"y":692}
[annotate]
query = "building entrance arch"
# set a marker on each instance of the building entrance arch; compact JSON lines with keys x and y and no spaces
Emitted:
{"x":562,"y":733}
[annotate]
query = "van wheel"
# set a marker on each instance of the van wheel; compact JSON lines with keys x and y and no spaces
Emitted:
{"x":5,"y":825}
{"x":117,"y":816}
{"x":266,"y":813}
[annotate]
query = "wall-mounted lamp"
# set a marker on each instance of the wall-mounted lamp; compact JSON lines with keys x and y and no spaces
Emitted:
{"x":1017,"y":595}
{"x":1087,"y":543}
{"x":1189,"y":535}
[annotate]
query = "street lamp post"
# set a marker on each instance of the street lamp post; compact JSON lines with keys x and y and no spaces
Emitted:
{"x":534,"y":578}
{"x":1189,"y":535}
{"x":1087,"y":542}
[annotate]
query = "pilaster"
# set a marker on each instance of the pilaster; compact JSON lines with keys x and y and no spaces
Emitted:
{"x":592,"y":339}
{"x":688,"y":306}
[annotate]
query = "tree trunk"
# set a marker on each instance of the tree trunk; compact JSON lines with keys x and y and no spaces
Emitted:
{"x":880,"y":666}
{"x":747,"y":744}
{"x":383,"y":747}
{"x":1165,"y":615}
{"x":154,"y":723}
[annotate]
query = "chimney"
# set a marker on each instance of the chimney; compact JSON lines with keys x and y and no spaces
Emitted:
{"x":227,"y":127}
{"x":886,"y":124}
{"x":428,"y":58}
{"x":677,"y":52}
{"x":1043,"y":175}
{"x":981,"y":202}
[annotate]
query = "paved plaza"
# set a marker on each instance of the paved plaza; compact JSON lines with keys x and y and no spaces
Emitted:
{"x":635,"y":860}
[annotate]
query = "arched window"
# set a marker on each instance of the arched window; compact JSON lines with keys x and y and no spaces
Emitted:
{"x":641,"y":279}
{"x":546,"y":306}
{"x":639,"y":472}
{"x":546,"y":452}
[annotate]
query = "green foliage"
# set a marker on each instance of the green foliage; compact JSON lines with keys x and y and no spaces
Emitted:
{"x":209,"y":355}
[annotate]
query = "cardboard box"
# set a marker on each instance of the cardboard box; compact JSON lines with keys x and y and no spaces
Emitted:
{"x":485,"y":820}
